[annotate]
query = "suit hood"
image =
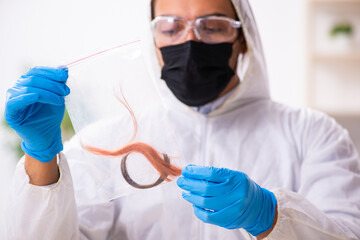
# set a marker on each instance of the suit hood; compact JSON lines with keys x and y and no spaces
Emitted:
{"x":251,"y":68}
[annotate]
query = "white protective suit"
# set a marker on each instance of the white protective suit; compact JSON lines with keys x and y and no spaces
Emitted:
{"x":303,"y":156}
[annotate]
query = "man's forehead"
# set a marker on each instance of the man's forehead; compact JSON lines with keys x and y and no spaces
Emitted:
{"x":192,"y":9}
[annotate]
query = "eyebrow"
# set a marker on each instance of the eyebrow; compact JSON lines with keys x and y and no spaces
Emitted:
{"x":214,"y":14}
{"x":202,"y":16}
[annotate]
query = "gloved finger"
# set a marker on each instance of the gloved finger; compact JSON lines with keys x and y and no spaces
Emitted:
{"x":44,"y":95}
{"x":237,"y":216}
{"x":45,"y":84}
{"x":214,"y":203}
{"x":224,"y":218}
{"x":21,"y":101}
{"x":47,"y":97}
{"x":17,"y":103}
{"x":57,"y":74}
{"x":203,"y":187}
{"x":207,"y":173}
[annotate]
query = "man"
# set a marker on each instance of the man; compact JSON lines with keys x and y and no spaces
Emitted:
{"x":208,"y":65}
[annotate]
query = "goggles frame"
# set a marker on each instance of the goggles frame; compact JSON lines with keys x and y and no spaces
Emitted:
{"x":194,"y":25}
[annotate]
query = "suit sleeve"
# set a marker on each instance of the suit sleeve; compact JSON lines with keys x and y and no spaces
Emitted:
{"x":327,"y":203}
{"x":36,"y":212}
{"x":55,"y":212}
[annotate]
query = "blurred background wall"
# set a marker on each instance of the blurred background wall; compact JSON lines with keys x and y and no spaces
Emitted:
{"x":311,"y":47}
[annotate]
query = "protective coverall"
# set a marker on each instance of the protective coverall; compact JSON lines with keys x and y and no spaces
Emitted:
{"x":303,"y":156}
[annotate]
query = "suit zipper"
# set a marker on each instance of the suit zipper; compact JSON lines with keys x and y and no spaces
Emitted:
{"x":203,"y":144}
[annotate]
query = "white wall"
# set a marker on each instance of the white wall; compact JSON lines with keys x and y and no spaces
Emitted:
{"x":282,"y":26}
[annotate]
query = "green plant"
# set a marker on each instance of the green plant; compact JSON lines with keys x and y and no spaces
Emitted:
{"x":67,"y":128}
{"x":341,"y":28}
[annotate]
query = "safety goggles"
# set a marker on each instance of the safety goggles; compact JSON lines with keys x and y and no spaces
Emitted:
{"x":170,"y":30}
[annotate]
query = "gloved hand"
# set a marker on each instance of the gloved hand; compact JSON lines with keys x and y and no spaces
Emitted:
{"x":35,"y":109}
{"x":228,"y":198}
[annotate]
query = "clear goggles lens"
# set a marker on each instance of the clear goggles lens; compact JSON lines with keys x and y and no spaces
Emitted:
{"x":214,"y":29}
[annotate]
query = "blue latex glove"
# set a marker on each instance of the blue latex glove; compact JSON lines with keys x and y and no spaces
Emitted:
{"x":35,"y":109}
{"x":228,"y":198}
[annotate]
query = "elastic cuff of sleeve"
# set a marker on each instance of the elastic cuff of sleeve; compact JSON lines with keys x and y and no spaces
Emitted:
{"x":46,"y":155}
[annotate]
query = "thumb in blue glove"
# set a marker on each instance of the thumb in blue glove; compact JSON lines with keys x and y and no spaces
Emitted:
{"x":228,"y":198}
{"x":35,"y":109}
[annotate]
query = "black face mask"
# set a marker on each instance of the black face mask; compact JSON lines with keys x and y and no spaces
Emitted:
{"x":197,"y":72}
